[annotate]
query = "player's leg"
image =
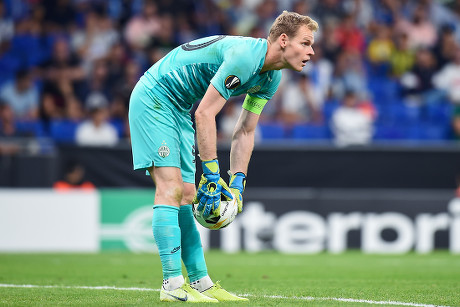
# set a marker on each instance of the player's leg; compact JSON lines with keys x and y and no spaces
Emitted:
{"x":166,"y":231}
{"x":167,"y":234}
{"x":155,"y":147}
{"x":192,"y":250}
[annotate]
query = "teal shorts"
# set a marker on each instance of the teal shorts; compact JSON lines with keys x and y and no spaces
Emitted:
{"x":161,"y":135}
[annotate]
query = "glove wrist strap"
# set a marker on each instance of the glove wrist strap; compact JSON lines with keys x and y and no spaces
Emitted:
{"x":210,"y":167}
{"x":238,"y":181}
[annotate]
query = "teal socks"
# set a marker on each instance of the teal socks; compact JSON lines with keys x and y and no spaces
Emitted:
{"x":192,"y":251}
{"x":167,"y":236}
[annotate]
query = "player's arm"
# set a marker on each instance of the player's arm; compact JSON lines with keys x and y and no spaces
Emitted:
{"x":205,"y":119}
{"x":211,"y":185}
{"x":243,"y":144}
{"x":243,"y":141}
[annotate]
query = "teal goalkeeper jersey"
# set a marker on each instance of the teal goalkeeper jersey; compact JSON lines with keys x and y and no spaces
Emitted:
{"x":231,"y":64}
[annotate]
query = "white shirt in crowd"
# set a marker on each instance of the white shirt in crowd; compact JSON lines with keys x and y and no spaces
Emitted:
{"x":448,"y":79}
{"x":89,"y":135}
{"x":351,"y":126}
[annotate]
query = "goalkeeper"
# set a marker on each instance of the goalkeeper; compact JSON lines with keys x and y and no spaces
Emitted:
{"x":211,"y":69}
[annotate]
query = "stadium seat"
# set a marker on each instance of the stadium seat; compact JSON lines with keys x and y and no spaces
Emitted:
{"x":30,"y":128}
{"x":430,"y":131}
{"x":63,"y":131}
{"x":402,"y":113}
{"x":384,"y":91}
{"x":439,"y":113}
{"x":309,"y":131}
{"x":388,"y":132}
{"x":119,"y":125}
{"x":329,"y":107}
{"x":272,"y":130}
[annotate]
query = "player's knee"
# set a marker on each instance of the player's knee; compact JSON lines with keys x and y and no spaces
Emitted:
{"x":169,"y":194}
{"x":176,"y":193}
{"x":189,"y":194}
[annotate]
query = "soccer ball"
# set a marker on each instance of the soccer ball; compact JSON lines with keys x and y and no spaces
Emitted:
{"x":228,"y":212}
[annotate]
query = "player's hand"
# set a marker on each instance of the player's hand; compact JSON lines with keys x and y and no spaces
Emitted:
{"x":237,"y":185}
{"x":210,"y":189}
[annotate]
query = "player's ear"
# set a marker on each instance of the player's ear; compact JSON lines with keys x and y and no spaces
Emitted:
{"x":283,"y":40}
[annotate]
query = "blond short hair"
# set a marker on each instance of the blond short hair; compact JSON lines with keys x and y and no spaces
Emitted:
{"x":289,"y":23}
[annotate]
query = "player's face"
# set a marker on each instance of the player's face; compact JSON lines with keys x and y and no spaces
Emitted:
{"x":298,"y":49}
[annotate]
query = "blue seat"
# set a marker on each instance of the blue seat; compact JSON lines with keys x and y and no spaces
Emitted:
{"x":31,"y":128}
{"x":310,"y":131}
{"x":384,"y":91}
{"x":433,"y":132}
{"x":402,"y":113}
{"x":63,"y":131}
{"x":439,"y":113}
{"x":272,"y":130}
{"x":388,"y":132}
{"x":119,"y":125}
{"x":329,"y":107}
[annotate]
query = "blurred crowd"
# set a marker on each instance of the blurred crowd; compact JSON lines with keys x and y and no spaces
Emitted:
{"x":382,"y":69}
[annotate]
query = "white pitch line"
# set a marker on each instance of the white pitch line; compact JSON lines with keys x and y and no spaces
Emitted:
{"x":78,"y":287}
{"x":348,"y":300}
{"x":303,"y":298}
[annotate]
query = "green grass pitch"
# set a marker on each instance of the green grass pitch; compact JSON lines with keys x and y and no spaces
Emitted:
{"x":268,"y":279}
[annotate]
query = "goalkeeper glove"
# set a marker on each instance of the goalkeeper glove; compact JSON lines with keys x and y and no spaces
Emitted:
{"x":237,"y":185}
{"x":210,"y":189}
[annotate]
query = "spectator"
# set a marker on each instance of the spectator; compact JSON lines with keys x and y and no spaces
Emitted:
{"x":420,"y":30}
{"x":97,"y":131}
{"x":380,"y":49}
{"x":62,"y":70}
{"x":387,"y":11}
{"x":439,"y":12}
{"x":241,"y":18}
{"x":62,"y":75}
{"x":7,"y":130}
{"x":7,"y":122}
{"x":349,"y":75}
{"x":320,"y":72}
{"x":299,"y":104}
{"x":73,"y":110}
{"x":59,"y":15}
{"x":166,"y":38}
{"x":143,"y":27}
{"x":329,"y":11}
{"x":445,"y":48}
{"x":349,"y":36}
{"x":329,"y":44}
{"x":363,"y":11}
{"x":455,"y":129}
{"x":352,"y":122}
{"x":98,"y":80}
{"x":22,"y":96}
{"x":6,"y":26}
{"x":448,"y":80}
{"x":127,"y":83}
{"x":417,"y":84}
{"x":95,"y":40}
{"x":74,"y":178}
{"x":117,"y":60}
{"x":402,"y":58}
